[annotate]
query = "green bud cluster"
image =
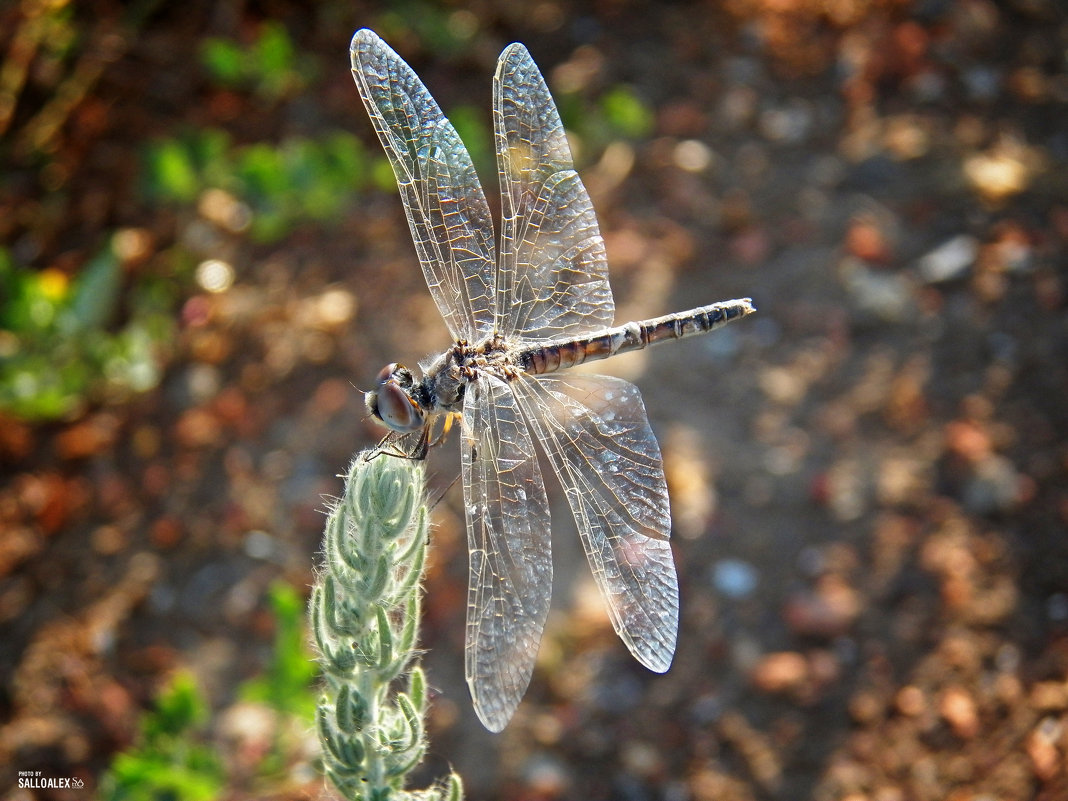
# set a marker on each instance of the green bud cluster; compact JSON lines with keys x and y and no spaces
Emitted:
{"x":364,"y":615}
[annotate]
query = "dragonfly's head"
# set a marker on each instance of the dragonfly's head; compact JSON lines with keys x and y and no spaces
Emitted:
{"x":391,"y":402}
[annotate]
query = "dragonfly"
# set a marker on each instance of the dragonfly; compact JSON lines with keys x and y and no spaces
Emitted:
{"x":520,"y":310}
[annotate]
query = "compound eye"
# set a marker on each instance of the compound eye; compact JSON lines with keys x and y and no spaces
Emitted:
{"x":398,"y":373}
{"x":396,"y":408}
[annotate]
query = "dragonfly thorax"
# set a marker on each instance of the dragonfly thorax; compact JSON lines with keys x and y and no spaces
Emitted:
{"x":404,"y":404}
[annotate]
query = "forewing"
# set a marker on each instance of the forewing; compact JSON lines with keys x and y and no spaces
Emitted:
{"x":597,"y":436}
{"x":553,"y":275}
{"x":510,"y":581}
{"x":443,"y":199}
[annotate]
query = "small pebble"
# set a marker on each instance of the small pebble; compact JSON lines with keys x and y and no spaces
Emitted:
{"x":828,"y":611}
{"x":1049,"y":696}
{"x":911,"y":701}
{"x":1042,"y":748}
{"x":993,"y":487}
{"x":958,"y":709}
{"x":546,"y":775}
{"x":1057,"y":607}
{"x":780,"y":672}
{"x":885,"y":296}
{"x":949,"y":260}
{"x":734,"y":578}
{"x":866,"y":707}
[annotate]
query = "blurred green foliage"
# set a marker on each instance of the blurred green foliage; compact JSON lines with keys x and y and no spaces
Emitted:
{"x":283,"y":185}
{"x":444,"y":30}
{"x":618,"y":113}
{"x":268,"y":66}
{"x":625,"y":114}
{"x":173,"y":762}
{"x":473,"y":126}
{"x":56,"y":347}
{"x":170,"y":762}
{"x":288,"y":684}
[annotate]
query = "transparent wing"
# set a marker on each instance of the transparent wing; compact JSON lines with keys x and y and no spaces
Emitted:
{"x":443,"y":199}
{"x":553,"y":275}
{"x":597,"y":436}
{"x":510,"y":581}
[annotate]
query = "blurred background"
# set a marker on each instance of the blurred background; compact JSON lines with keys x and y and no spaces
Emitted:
{"x":203,"y":260}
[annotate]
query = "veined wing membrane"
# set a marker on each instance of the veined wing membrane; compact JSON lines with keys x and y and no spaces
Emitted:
{"x":510,"y":578}
{"x":597,"y":436}
{"x":553,"y":275}
{"x":443,"y":199}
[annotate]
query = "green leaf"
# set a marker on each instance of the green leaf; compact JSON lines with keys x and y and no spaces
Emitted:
{"x":274,"y":54}
{"x":346,"y":160}
{"x":171,"y":171}
{"x":169,"y":762}
{"x":262,"y":170}
{"x":473,"y":127}
{"x":179,"y":707}
{"x":287,"y":684}
{"x":626,"y":113}
{"x":224,"y":60}
{"x":350,"y":710}
{"x":95,"y":295}
{"x":382,"y":175}
{"x":455,"y":789}
{"x":417,"y":688}
{"x":385,"y":639}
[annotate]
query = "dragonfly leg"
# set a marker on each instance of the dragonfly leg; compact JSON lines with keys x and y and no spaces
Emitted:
{"x":390,"y":445}
{"x":380,"y":448}
{"x":398,"y":445}
{"x":446,"y":427}
{"x":422,"y":446}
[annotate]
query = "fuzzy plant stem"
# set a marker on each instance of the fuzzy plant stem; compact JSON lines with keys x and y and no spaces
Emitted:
{"x":364,"y":615}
